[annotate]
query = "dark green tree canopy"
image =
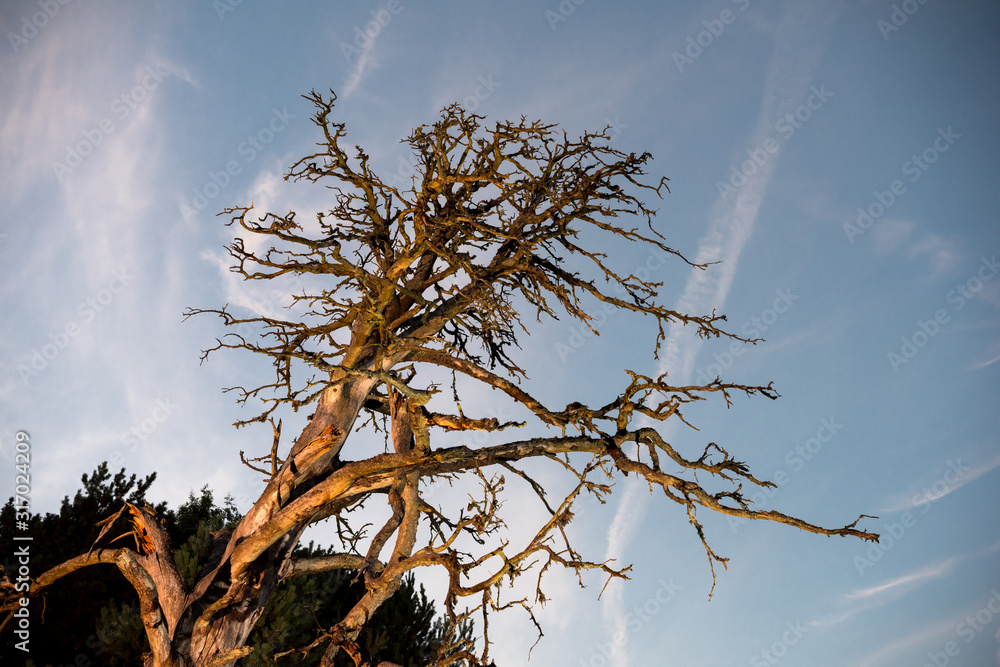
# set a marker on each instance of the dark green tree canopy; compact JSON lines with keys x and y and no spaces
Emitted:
{"x":93,"y":616}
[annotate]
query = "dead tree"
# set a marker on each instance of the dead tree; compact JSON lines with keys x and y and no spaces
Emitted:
{"x":404,"y":285}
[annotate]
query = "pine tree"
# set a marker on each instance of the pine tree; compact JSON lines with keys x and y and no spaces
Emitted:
{"x":93,"y":617}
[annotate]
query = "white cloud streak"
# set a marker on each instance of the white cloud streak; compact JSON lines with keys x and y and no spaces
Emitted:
{"x":939,"y":488}
{"x":906,"y":582}
{"x":881,"y":594}
{"x":877,"y":596}
{"x":798,"y":48}
{"x":992,"y":356}
{"x":890,"y":653}
{"x":364,"y":61}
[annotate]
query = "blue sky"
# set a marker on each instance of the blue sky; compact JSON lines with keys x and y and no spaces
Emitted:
{"x":838,"y":158}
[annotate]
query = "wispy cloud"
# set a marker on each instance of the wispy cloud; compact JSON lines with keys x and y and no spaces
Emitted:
{"x":890,"y":653}
{"x":878,"y":595}
{"x":888,"y":235}
{"x":798,"y":49}
{"x":943,"y":254}
{"x":991,"y":357}
{"x":940,"y":488}
{"x":900,"y":585}
{"x":268,"y":193}
{"x":365,"y":61}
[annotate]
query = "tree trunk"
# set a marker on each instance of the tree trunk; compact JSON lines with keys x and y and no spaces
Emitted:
{"x":209,"y":626}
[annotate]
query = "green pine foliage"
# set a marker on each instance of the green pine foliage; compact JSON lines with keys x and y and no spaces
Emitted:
{"x":92,"y":616}
{"x":63,"y":630}
{"x":121,"y":635}
{"x":196,"y":520}
{"x":404,"y":630}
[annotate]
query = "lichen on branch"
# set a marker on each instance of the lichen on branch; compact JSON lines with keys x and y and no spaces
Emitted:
{"x":502,"y":227}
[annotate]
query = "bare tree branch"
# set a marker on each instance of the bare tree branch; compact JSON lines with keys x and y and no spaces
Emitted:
{"x":398,"y":285}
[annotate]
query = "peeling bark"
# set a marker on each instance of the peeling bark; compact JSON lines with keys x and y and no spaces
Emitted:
{"x":426,"y":279}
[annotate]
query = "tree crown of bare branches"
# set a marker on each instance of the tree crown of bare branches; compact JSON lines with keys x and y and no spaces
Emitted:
{"x":441,"y":275}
